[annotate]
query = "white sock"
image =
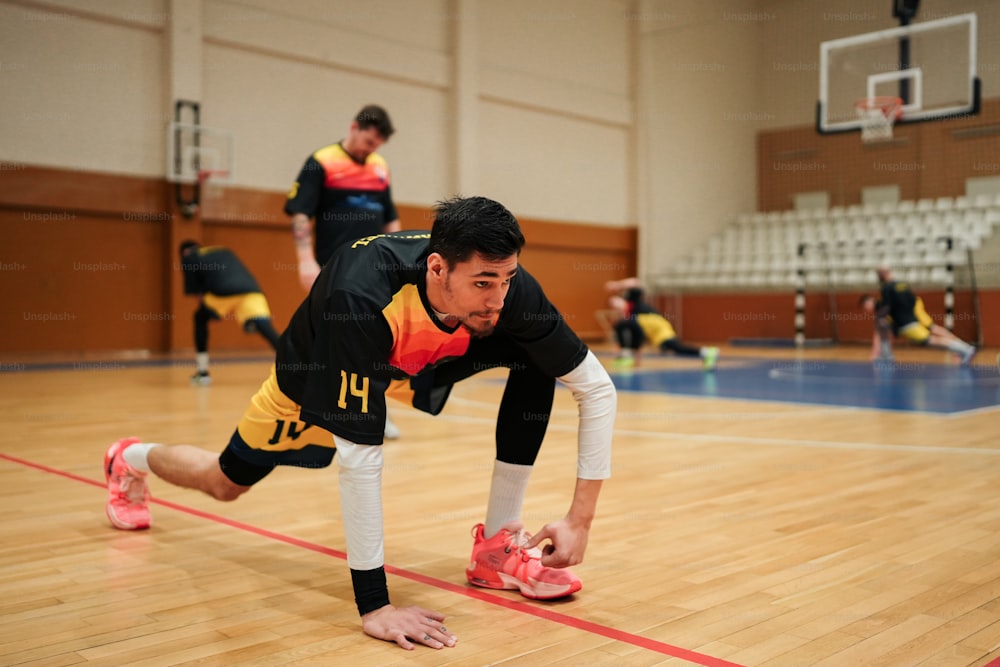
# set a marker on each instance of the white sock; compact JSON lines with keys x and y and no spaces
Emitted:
{"x":959,"y":347}
{"x":136,"y":455}
{"x":510,"y":482}
{"x":202,"y":360}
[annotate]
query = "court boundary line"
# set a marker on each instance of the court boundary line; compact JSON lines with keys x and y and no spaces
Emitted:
{"x":776,"y":401}
{"x":467,"y":591}
{"x":781,"y":374}
{"x":777,"y":442}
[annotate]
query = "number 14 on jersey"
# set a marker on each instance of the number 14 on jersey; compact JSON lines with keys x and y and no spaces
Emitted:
{"x":358,"y":388}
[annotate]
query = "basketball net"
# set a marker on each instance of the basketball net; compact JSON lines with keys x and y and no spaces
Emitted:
{"x":210,"y":181}
{"x":877,"y":116}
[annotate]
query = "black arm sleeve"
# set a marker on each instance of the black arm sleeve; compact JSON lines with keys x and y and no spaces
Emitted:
{"x":388,"y":206}
{"x":305,"y":195}
{"x":370,"y":589}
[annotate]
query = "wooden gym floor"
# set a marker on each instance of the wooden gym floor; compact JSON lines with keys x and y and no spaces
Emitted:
{"x":732,"y":532}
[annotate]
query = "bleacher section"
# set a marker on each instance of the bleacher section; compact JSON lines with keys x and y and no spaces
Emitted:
{"x":841,"y":246}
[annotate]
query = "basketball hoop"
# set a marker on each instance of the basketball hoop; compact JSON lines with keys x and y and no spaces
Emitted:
{"x":877,"y":116}
{"x":211,"y":181}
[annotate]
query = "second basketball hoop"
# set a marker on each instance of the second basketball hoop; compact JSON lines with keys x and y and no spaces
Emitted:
{"x":877,"y":116}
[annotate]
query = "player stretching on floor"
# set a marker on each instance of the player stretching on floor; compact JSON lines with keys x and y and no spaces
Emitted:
{"x":638,"y":323}
{"x":410,"y":314}
{"x":900,"y":312}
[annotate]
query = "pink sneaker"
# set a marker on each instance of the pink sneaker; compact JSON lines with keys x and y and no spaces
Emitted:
{"x":128,"y":494}
{"x":502,"y":562}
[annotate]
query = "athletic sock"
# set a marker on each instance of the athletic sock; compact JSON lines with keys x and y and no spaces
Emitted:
{"x":960,"y":348}
{"x":137,"y":455}
{"x":201,"y":359}
{"x":507,"y":489}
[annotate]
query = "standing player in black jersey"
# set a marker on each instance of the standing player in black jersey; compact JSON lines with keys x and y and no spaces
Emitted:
{"x":345,"y":188}
{"x":224,"y":287}
{"x":410,"y":314}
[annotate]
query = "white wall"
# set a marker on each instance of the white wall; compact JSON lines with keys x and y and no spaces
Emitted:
{"x":556,"y":113}
{"x":83,"y":91}
{"x":700,"y":109}
{"x":553,"y":167}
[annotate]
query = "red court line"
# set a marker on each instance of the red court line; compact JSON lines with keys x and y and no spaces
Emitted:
{"x":478,"y":594}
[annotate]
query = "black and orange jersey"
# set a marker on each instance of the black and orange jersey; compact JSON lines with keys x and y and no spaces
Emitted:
{"x":216,"y":270}
{"x":898,"y":302}
{"x":367,"y":322}
{"x":348,"y":199}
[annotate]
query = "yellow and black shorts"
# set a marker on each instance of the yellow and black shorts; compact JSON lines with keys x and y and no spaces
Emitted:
{"x":918,"y":331}
{"x":271,"y":433}
{"x":656,"y":328}
{"x":243,"y":307}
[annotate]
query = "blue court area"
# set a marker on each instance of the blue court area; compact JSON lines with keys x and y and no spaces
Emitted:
{"x":905,"y":386}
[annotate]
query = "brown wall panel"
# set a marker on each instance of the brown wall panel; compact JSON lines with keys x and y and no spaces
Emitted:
{"x":719,"y":318}
{"x":80,"y":282}
{"x":27,"y":188}
{"x":989,"y":306}
{"x":82,"y":257}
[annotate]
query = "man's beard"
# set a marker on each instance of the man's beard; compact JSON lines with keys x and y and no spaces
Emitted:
{"x":488,"y":325}
{"x":479,"y":333}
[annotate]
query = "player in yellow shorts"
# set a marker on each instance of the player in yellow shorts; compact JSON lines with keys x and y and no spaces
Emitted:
{"x":639,"y":323}
{"x":226,"y":288}
{"x":901,"y":313}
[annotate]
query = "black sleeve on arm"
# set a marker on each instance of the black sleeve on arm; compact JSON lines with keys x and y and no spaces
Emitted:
{"x":305,"y":195}
{"x":388,"y":207}
{"x":370,"y":589}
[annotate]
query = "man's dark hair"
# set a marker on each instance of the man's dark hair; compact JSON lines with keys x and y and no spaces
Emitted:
{"x":186,"y":245}
{"x":372,"y":115}
{"x":467,"y":225}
